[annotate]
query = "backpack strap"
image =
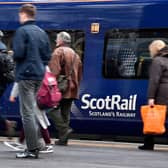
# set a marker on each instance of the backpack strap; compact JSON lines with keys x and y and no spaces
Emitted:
{"x":72,"y":65}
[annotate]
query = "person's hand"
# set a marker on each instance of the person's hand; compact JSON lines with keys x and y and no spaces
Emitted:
{"x":151,"y":102}
{"x":12,"y":99}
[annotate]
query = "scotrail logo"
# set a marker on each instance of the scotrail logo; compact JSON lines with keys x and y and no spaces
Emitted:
{"x":113,"y":102}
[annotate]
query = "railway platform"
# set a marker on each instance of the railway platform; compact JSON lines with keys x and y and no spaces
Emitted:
{"x":90,"y":154}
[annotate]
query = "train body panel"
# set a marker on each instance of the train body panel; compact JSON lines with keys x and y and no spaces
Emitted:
{"x":107,"y":104}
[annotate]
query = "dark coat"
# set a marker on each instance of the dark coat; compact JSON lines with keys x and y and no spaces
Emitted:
{"x":158,"y":78}
{"x":61,"y":62}
{"x":6,"y":70}
{"x":31,"y":52}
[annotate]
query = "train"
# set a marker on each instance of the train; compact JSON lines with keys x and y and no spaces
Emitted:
{"x":112,"y":38}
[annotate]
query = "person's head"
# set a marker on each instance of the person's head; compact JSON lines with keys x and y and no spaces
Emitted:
{"x":27,"y":12}
{"x":63,"y":38}
{"x":155,"y":47}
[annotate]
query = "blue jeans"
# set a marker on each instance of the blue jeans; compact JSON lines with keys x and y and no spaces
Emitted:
{"x":28,"y":108}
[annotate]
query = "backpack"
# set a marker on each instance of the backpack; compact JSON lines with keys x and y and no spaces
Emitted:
{"x":48,"y":95}
{"x":6,"y":67}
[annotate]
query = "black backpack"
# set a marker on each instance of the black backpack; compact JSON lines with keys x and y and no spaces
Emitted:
{"x":6,"y":67}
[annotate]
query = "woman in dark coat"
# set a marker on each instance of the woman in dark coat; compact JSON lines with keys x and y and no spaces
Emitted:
{"x":158,"y":82}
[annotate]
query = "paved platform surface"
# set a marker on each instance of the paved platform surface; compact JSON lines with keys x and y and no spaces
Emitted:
{"x":90,"y":154}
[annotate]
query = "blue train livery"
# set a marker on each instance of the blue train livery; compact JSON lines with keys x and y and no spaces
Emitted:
{"x":112,"y":39}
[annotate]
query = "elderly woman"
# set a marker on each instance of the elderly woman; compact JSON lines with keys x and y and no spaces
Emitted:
{"x":158,"y":82}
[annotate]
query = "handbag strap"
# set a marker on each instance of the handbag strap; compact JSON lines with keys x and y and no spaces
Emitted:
{"x":72,"y":65}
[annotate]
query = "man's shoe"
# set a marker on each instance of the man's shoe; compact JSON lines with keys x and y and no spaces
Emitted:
{"x":66,"y":135}
{"x":47,"y":149}
{"x":144,"y":147}
{"x":61,"y":143}
{"x":28,"y":154}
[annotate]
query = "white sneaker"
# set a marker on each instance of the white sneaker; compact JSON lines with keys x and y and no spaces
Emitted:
{"x":14,"y":145}
{"x":28,"y":154}
{"x":47,"y":149}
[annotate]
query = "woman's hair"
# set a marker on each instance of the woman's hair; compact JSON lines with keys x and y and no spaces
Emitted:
{"x":156,"y":46}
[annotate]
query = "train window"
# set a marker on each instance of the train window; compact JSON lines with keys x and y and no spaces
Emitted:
{"x":126,"y":52}
{"x":77,"y":39}
{"x":7,"y":38}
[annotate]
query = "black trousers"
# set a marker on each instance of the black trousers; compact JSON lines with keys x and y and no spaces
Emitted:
{"x":2,"y":119}
{"x":149,"y":141}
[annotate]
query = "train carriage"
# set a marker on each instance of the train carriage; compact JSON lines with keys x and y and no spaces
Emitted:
{"x":112,"y":39}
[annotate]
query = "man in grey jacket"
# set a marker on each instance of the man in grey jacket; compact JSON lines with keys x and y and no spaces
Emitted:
{"x":31,"y":52}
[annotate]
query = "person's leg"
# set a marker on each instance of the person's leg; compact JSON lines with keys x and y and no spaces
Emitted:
{"x":8,"y":125}
{"x":27,"y":91}
{"x":61,"y":119}
{"x":21,"y":136}
{"x":2,"y":120}
{"x":56,"y":117}
{"x":46,"y":136}
{"x":65,"y":110}
{"x":10,"y":130}
{"x":148,"y":143}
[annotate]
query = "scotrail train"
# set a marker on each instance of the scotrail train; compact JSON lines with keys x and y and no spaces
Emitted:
{"x":112,"y":38}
